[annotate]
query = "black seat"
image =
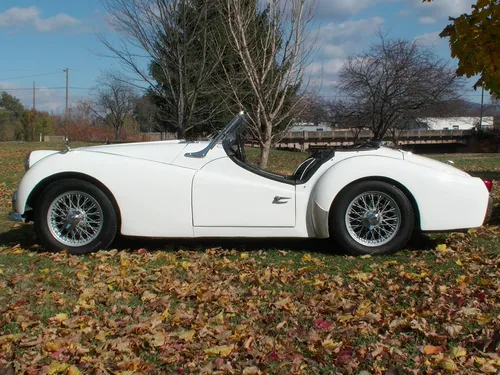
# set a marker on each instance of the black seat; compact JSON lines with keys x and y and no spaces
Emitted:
{"x":309,"y":167}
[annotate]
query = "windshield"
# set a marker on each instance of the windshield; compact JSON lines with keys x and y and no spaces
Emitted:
{"x":236,"y":127}
{"x":229,"y":132}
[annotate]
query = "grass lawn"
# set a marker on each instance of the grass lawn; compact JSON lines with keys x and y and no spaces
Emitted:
{"x":250,"y":307}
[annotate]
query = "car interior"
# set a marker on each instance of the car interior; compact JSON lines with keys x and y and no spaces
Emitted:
{"x":235,"y":148}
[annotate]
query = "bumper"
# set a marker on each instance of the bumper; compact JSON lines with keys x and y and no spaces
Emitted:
{"x":489,"y":211}
{"x":15,"y":215}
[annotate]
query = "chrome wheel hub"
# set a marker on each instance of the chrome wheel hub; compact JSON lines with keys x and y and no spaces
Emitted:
{"x":373,"y":219}
{"x":75,"y":218}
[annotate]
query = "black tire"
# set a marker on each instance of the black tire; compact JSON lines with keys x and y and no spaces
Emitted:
{"x":108,"y":224}
{"x":350,"y":240}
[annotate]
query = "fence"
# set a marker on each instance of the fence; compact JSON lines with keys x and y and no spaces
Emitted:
{"x":54,"y":138}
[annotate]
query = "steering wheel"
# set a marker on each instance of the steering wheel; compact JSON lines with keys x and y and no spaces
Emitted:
{"x":241,"y":148}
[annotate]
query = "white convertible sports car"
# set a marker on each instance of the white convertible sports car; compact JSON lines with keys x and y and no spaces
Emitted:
{"x":370,"y":199}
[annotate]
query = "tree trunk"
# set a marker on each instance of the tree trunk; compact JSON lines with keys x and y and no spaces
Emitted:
{"x":264,"y":154}
{"x":395,"y":140}
{"x":181,"y":132}
{"x":265,"y":148}
{"x":118,"y":133}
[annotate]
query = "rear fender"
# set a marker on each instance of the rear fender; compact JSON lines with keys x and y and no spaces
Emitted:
{"x":439,"y":198}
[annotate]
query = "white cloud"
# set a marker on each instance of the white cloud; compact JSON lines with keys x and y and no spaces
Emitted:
{"x":328,"y":67}
{"x":46,"y":99}
{"x":430,"y":39}
{"x":427,"y":20}
{"x":337,"y":9}
{"x":333,"y":50}
{"x":404,"y":12}
{"x":342,"y":9}
{"x":441,"y":9}
{"x":335,"y":42}
{"x":60,"y":21}
{"x":14,"y":16}
{"x":333,"y":66}
{"x":31,"y":17}
{"x":349,"y":31}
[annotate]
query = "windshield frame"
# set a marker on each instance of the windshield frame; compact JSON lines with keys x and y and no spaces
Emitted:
{"x":233,"y":126}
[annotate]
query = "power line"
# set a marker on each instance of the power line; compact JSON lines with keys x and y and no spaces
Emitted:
{"x":30,"y":76}
{"x":45,"y":88}
{"x":17,"y":70}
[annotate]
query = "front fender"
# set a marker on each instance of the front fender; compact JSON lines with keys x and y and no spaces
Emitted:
{"x":154,"y":198}
{"x":445,"y":200}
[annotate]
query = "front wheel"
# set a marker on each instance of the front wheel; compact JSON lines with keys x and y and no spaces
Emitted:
{"x":372,"y":217}
{"x":76,"y":216}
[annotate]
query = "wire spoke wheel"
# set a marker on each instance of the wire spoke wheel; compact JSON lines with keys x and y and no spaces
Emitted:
{"x":373,"y":218}
{"x":75,"y":218}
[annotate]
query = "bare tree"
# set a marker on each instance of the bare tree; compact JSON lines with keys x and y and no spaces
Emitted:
{"x":394,"y":81}
{"x":82,"y":113}
{"x":146,"y":114}
{"x":314,"y":109}
{"x":113,"y":103}
{"x":273,"y":48}
{"x":348,"y":115}
{"x":173,"y":36}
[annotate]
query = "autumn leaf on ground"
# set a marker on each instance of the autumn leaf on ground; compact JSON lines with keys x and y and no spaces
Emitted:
{"x":430,"y":350}
{"x":448,"y":365}
{"x":458,"y":352}
{"x":187,"y":336}
{"x":222,"y":350}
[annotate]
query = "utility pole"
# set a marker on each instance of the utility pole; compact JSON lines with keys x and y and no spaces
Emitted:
{"x":67,"y":80}
{"x":34,"y":115}
{"x":482,"y":102}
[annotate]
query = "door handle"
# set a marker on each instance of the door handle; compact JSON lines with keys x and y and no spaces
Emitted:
{"x":280,"y":200}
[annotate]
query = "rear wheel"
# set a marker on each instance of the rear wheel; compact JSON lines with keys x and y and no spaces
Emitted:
{"x":76,"y":216}
{"x":372,"y":217}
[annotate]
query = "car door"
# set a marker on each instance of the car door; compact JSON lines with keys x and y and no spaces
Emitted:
{"x":226,"y":194}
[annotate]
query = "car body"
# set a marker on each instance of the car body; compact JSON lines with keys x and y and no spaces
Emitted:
{"x":370,"y":198}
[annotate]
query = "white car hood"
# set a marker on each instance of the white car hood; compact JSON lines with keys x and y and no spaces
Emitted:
{"x":161,"y":152}
{"x":37,"y":155}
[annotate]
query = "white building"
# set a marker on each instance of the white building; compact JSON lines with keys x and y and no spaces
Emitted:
{"x":310,"y":127}
{"x":455,"y":123}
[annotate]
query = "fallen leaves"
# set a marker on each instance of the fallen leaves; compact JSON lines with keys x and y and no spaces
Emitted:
{"x":430,"y":349}
{"x":448,"y":364}
{"x":61,"y":317}
{"x":187,"y":336}
{"x":222,"y":350}
{"x":457,"y":352}
{"x":226,"y":312}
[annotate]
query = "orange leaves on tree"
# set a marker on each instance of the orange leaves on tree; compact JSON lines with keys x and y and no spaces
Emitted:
{"x":473,"y":39}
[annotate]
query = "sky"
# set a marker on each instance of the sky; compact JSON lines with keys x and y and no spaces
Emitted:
{"x":41,"y":38}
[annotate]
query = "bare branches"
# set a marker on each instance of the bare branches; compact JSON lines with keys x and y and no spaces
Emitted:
{"x":396,"y":80}
{"x":173,"y":37}
{"x":113,"y":103}
{"x":273,"y":48}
